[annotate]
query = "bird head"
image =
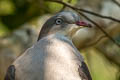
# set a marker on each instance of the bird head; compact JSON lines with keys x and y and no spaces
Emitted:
{"x":65,"y":23}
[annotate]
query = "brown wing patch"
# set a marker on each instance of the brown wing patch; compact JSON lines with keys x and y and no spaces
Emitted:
{"x":10,"y":75}
{"x":84,"y":72}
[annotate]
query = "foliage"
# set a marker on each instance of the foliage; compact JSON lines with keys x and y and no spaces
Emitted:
{"x":14,"y":13}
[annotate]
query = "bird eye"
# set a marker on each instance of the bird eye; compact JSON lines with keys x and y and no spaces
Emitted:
{"x":59,"y":21}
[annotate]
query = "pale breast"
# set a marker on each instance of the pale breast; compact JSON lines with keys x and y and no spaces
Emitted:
{"x":49,"y":59}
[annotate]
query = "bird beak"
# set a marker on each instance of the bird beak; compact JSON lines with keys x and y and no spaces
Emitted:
{"x":83,"y":24}
{"x":78,"y":25}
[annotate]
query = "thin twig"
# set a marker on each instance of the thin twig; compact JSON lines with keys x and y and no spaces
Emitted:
{"x":117,"y":3}
{"x":82,"y":14}
{"x":101,"y":16}
{"x":63,"y":8}
{"x":86,"y":11}
{"x":78,"y":10}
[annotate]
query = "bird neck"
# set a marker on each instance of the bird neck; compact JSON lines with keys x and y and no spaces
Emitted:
{"x":58,"y":36}
{"x":56,"y":33}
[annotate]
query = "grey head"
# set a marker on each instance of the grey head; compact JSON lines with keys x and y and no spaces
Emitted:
{"x":66,"y":23}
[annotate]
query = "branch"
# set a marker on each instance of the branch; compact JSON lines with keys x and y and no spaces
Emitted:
{"x":101,"y":16}
{"x":82,"y":10}
{"x":99,"y":28}
{"x":92,"y":44}
{"x":117,"y":3}
{"x":65,"y":6}
{"x":86,"y":11}
{"x":108,"y":56}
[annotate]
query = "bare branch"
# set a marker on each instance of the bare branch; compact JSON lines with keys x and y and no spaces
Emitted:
{"x":108,"y":56}
{"x":65,"y":6}
{"x":86,"y":11}
{"x":78,"y":10}
{"x":101,"y":16}
{"x":92,"y":44}
{"x":99,"y":28}
{"x":117,"y":3}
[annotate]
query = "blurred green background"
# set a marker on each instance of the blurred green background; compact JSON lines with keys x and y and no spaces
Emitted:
{"x":21,"y":20}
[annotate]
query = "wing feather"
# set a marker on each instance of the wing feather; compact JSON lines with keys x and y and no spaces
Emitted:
{"x":84,"y":72}
{"x":10,"y":75}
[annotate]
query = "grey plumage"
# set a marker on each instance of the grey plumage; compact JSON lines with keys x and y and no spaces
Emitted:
{"x":54,"y":56}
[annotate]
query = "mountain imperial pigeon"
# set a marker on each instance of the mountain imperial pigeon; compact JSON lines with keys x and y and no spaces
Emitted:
{"x":53,"y":56}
